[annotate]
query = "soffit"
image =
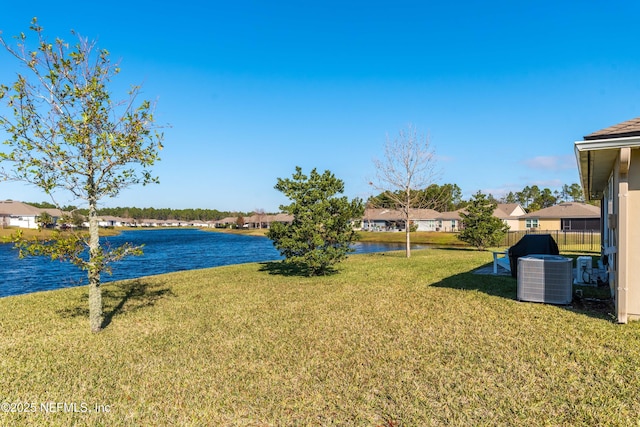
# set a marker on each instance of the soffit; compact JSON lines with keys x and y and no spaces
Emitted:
{"x":596,"y":159}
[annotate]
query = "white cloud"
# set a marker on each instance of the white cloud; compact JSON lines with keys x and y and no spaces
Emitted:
{"x":552,"y":163}
{"x":548,"y":183}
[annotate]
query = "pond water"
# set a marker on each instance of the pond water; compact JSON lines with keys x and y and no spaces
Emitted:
{"x":165,"y":251}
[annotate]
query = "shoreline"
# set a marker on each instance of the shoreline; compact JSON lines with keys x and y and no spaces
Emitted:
{"x":436,"y":238}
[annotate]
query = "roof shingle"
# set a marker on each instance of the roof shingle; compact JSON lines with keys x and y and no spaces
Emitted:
{"x":567,"y":210}
{"x":621,"y":130}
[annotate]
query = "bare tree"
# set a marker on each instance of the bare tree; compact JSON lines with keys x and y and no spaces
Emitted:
{"x":408,"y":166}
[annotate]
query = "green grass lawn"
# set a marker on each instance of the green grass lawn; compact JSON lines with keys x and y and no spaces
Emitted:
{"x":388,"y":341}
{"x":436,"y":238}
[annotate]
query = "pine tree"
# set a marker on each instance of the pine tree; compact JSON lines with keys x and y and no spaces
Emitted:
{"x":481,"y":228}
{"x":321,"y":233}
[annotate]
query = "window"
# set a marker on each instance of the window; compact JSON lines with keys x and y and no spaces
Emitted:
{"x":580,"y":224}
{"x":531,"y":223}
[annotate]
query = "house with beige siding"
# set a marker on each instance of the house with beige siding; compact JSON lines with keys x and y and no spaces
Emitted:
{"x":609,"y":167}
{"x":279,"y":217}
{"x":227,"y":222}
{"x":450,"y":221}
{"x":569,"y":216}
{"x":509,"y":213}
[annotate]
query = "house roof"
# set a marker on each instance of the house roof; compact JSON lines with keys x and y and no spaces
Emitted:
{"x":628,"y":128}
{"x":381,"y":214}
{"x":423,"y":214}
{"x":111,"y":218}
{"x":598,"y":152}
{"x":451,"y":215}
{"x":506,"y":210}
{"x":151,"y":221}
{"x":12,"y":207}
{"x":228,"y":220}
{"x":53,"y":212}
{"x":502,"y":211}
{"x":280,"y":217}
{"x":566,"y":210}
{"x":384,"y":214}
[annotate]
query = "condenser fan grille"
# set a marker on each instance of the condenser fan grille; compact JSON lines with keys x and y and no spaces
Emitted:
{"x":545,"y":278}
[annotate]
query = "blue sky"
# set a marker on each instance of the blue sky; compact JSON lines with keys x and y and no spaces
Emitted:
{"x":252,"y":89}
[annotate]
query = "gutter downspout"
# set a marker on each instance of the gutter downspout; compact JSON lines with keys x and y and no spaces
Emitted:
{"x":623,"y":233}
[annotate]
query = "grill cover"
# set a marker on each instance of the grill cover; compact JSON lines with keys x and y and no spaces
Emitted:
{"x":539,"y":244}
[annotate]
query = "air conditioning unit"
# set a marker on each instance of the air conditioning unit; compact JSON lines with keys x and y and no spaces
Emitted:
{"x":584,"y":271}
{"x":546,"y":279}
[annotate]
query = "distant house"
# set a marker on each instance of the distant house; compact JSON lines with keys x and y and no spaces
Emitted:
{"x":265,"y":220}
{"x":509,"y":213}
{"x":450,"y":221}
{"x":114,"y":221}
{"x":150,"y":222}
{"x":199,"y":223}
{"x":424,"y":219}
{"x":570,"y":216}
{"x":382,"y":219}
{"x":609,"y":166}
{"x":279,"y":217}
{"x":227,"y":222}
{"x":18,"y":214}
{"x":256,"y":221}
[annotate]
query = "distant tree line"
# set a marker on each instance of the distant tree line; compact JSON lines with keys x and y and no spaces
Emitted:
{"x":442,"y":198}
{"x":152,"y":213}
{"x":448,"y":197}
{"x":167,"y":213}
{"x":533,"y":198}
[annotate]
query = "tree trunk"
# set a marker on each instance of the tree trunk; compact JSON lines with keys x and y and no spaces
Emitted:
{"x":95,"y":292}
{"x":407,"y":216}
{"x":407,"y":231}
{"x":95,"y":304}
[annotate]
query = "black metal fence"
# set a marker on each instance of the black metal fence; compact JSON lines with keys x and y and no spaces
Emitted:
{"x":576,"y":241}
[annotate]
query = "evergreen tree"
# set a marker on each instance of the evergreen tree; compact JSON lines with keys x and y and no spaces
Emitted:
{"x":481,"y":228}
{"x":321,"y":233}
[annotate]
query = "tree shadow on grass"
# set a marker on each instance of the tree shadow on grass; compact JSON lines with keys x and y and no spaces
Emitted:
{"x":590,"y":301}
{"x":495,"y":285}
{"x":282,"y":268}
{"x":121,"y":297}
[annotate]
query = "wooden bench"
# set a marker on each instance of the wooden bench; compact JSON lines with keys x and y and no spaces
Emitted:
{"x":501,"y":258}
